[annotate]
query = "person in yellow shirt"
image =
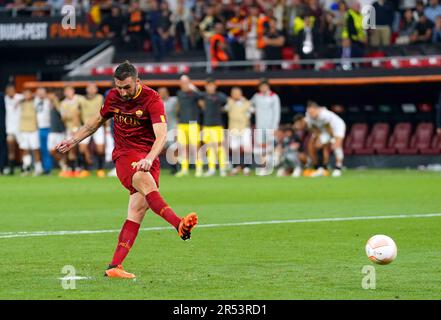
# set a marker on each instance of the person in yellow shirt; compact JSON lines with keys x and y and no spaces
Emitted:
{"x":90,"y":105}
{"x":29,"y":140}
{"x":70,"y":113}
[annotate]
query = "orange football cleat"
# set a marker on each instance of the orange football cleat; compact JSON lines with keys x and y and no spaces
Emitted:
{"x":186,"y":225}
{"x":84,"y":174}
{"x":119,"y":272}
{"x":101,"y":173}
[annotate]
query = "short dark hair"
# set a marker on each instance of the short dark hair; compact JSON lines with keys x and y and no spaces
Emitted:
{"x":125,"y":70}
{"x":312,"y":103}
{"x":298,"y":116}
{"x":210,"y":80}
{"x":263,"y":81}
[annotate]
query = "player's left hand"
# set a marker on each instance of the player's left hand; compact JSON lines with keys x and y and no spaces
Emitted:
{"x":143,"y":165}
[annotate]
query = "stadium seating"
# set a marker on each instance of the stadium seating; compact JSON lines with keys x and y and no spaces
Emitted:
{"x":435,"y":146}
{"x":357,"y":138}
{"x":399,"y":140}
{"x":421,"y":139}
{"x":376,"y":140}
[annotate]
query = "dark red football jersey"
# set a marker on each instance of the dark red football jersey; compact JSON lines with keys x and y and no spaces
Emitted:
{"x":133,"y":119}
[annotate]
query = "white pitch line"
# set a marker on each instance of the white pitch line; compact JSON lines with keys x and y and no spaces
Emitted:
{"x":25,"y":234}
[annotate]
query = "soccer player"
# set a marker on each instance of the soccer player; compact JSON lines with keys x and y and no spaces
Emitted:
{"x":29,"y":140}
{"x":43,"y":106}
{"x":140,"y":130}
{"x":57,"y":133}
{"x":188,"y":126}
{"x":239,"y":111}
{"x":332,"y":131}
{"x":89,"y":106}
{"x":12,"y":106}
{"x":171,"y":111}
{"x":212,"y":104}
{"x":268,"y":112}
{"x":70,"y":113}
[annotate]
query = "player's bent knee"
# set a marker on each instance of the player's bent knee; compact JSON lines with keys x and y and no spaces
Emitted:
{"x":143,"y":182}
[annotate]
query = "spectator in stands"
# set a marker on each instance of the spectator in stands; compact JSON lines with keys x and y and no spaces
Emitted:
{"x":381,"y":35}
{"x":339,"y":20}
{"x":113,"y":26}
{"x":433,"y":10}
{"x":274,"y":41}
{"x":353,"y":27}
{"x":423,"y":31}
{"x":279,"y":13}
{"x":419,"y":9}
{"x":181,"y":24}
{"x":162,"y":40}
{"x":306,"y":36}
{"x":43,"y":107}
{"x":218,"y":46}
{"x":436,"y":33}
{"x":235,"y":33}
{"x":407,"y":27}
{"x":347,"y":52}
{"x":44,"y":9}
{"x":328,"y":33}
{"x":206,"y":28}
{"x":135,"y":27}
{"x":18,"y":7}
{"x":255,"y":26}
{"x":294,"y":8}
{"x":315,"y":10}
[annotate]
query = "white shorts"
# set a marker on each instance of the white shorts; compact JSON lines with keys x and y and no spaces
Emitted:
{"x":252,"y":53}
{"x":29,"y":140}
{"x":240,"y":139}
{"x":339,"y":130}
{"x":98,"y":137}
{"x":12,"y":129}
{"x":55,"y":138}
{"x":325,"y":138}
{"x":264,"y":137}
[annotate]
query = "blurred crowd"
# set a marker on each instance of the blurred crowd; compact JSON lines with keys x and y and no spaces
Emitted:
{"x":255,"y":29}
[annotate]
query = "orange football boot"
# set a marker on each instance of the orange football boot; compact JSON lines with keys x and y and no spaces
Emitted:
{"x":119,"y":272}
{"x":186,"y":225}
{"x":101,"y":173}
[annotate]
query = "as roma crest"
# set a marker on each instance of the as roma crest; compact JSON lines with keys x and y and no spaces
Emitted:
{"x":139,"y":113}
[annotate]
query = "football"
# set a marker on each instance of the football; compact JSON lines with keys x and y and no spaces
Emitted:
{"x":381,"y":249}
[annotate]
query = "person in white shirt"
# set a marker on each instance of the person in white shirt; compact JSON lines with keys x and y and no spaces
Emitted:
{"x":43,"y":107}
{"x":331,"y":131}
{"x":12,"y":105}
{"x":267,"y":107}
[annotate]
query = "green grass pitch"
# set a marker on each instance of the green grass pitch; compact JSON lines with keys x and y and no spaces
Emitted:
{"x":305,"y":260}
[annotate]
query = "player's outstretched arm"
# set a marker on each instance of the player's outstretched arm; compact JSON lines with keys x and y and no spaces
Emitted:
{"x":88,"y":129}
